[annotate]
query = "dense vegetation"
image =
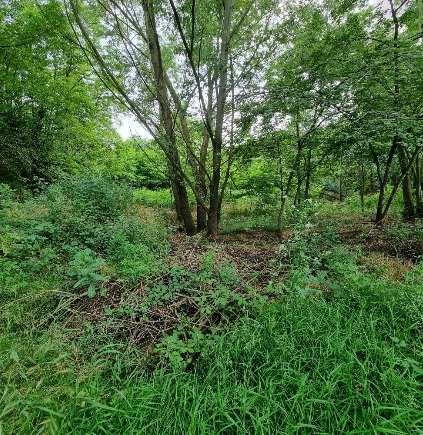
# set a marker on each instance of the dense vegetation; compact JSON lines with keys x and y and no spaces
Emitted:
{"x":108,"y":314}
{"x":255,"y":265}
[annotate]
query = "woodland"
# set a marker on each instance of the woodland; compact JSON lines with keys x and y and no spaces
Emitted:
{"x":249,"y":258}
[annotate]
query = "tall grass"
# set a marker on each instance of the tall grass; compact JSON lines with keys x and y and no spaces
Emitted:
{"x":301,"y":366}
{"x":339,"y":351}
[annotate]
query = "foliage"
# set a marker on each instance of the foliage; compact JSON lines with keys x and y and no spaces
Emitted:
{"x":91,"y":197}
{"x":329,"y":346}
{"x":137,"y":162}
{"x":54,"y":116}
{"x":85,"y":268}
{"x":180,"y":310}
{"x":162,"y":197}
{"x":305,"y":215}
{"x":248,"y":214}
{"x":80,"y":219}
{"x":6,"y":197}
{"x":133,"y":242}
{"x":330,"y":365}
{"x":257,"y":180}
{"x":279,"y":105}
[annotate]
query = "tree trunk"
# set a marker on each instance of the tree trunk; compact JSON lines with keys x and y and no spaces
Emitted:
{"x":201,"y":212}
{"x":408,"y":210}
{"x":280,"y":215}
{"x":217,"y":140}
{"x":308,"y":175}
{"x":284,"y":196}
{"x":197,"y":165}
{"x":202,"y":189}
{"x":166,"y":118}
{"x":380,"y":214}
{"x":185,"y":210}
{"x":362,"y":181}
{"x":177,"y":203}
{"x":297,"y":199}
{"x":397,"y":185}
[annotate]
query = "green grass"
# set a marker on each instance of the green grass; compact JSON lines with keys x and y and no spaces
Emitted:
{"x":338,"y":349}
{"x":318,"y":365}
{"x":159,"y":197}
{"x":246,"y":214}
{"x":301,"y":366}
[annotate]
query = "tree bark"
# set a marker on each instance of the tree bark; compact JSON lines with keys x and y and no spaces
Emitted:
{"x":397,"y":185}
{"x":201,"y":183}
{"x":167,"y":141}
{"x":383,"y":181}
{"x":362,"y":180}
{"x":197,"y":165}
{"x":419,"y":197}
{"x":407,"y":194}
{"x":166,"y":118}
{"x":308,"y":175}
{"x":217,"y":140}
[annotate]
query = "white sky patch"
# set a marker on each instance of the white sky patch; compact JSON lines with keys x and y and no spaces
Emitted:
{"x":126,"y":125}
{"x":383,"y":3}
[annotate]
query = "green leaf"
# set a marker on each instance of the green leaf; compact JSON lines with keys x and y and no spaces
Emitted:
{"x":14,"y":355}
{"x":91,"y":291}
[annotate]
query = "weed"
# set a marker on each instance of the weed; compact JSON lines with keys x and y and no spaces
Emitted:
{"x":85,"y":267}
{"x":300,"y":365}
{"x":337,"y":351}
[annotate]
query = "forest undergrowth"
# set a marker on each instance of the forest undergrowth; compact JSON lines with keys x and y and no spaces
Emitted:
{"x":110,"y":314}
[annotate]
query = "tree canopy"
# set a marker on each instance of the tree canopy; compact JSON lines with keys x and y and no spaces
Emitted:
{"x":319,"y":90}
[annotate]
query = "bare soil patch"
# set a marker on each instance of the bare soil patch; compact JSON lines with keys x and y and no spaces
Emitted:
{"x":249,"y":253}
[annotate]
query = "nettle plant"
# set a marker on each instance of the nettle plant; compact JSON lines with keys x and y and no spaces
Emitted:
{"x":317,"y":264}
{"x":305,"y":215}
{"x":88,"y":270}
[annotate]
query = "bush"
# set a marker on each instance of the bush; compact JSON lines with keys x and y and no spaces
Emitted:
{"x":132,"y":244}
{"x":93,"y":199}
{"x":6,"y":196}
{"x":74,"y":216}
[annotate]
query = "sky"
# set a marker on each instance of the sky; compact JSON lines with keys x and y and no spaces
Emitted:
{"x":127,"y":126}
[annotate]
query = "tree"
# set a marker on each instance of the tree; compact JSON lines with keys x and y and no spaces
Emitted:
{"x":51,"y":116}
{"x":306,"y":93}
{"x":174,"y":65}
{"x":387,"y":95}
{"x":347,"y":81}
{"x":137,"y":162}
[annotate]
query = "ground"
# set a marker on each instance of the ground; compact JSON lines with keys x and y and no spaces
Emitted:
{"x":253,"y":257}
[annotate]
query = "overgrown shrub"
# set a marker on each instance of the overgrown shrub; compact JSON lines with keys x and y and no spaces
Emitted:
{"x":95,"y":198}
{"x":72,"y":217}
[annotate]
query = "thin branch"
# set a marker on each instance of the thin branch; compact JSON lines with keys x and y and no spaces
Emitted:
{"x":189,"y":53}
